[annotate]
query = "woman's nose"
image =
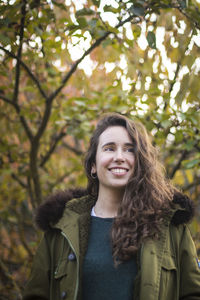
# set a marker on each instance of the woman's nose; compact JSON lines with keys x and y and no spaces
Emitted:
{"x":119,"y":155}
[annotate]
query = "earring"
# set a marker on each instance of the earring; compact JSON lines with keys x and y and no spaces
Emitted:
{"x":94,"y":175}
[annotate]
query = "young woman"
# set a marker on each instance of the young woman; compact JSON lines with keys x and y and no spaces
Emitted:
{"x":125,"y":237}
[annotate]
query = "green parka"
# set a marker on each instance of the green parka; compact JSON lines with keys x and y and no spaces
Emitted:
{"x":168,"y":268}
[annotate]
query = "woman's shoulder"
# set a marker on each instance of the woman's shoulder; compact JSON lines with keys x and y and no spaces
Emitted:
{"x":51,"y":211}
{"x":183,"y":210}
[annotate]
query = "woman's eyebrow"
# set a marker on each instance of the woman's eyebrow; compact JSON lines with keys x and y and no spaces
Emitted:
{"x":113,"y":143}
{"x":108,"y":144}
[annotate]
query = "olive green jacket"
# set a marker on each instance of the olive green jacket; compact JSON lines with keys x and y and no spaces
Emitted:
{"x":168,"y":267}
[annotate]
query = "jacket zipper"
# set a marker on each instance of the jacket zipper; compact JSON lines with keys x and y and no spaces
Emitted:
{"x":77,"y":281}
{"x":141,"y":251}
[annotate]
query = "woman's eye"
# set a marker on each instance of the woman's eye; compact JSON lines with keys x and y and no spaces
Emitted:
{"x":130,"y":150}
{"x":108,"y":149}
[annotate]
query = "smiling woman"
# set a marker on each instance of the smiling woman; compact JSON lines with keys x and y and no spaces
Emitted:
{"x":125,"y":237}
{"x":114,"y":165}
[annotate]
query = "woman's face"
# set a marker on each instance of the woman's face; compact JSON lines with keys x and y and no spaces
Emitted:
{"x":114,"y":158}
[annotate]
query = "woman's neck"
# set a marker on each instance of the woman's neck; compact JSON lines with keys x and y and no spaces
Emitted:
{"x":107,"y":203}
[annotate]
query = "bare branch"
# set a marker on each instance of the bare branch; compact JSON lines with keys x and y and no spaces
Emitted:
{"x":75,"y":150}
{"x":19,"y":52}
{"x":30,"y":192}
{"x":195,"y":23}
{"x":34,"y":170}
{"x":7,"y":100}
{"x":194,"y":183}
{"x":45,"y":119}
{"x":25,"y":124}
{"x":60,"y":179}
{"x":22,"y":119}
{"x":26,"y":68}
{"x":52,"y":148}
{"x":14,"y":176}
{"x":178,"y":165}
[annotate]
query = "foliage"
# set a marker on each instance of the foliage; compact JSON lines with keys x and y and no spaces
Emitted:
{"x":63,"y":64}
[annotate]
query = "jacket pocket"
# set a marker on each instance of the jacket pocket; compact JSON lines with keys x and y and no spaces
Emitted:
{"x":61,"y":270}
{"x":168,"y":263}
{"x":168,"y":278}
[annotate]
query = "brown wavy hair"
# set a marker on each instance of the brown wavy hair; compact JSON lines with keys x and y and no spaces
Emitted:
{"x":148,"y":194}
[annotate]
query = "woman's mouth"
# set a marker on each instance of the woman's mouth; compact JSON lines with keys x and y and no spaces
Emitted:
{"x":118,"y":171}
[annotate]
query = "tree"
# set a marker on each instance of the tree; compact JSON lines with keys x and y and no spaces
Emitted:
{"x":65,"y":63}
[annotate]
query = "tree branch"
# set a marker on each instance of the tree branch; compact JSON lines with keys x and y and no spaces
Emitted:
{"x":34,"y":170}
{"x":75,"y":150}
{"x":60,"y":179}
{"x":192,"y":184}
{"x":172,"y":83}
{"x":195,"y":23}
{"x":22,"y":119}
{"x":7,"y":100}
{"x":24,"y":123}
{"x":45,"y":119}
{"x":177,"y":166}
{"x":52,"y":148}
{"x":26,"y":68}
{"x":14,"y":176}
{"x":19,"y":52}
{"x":176,"y":73}
{"x":30,"y":192}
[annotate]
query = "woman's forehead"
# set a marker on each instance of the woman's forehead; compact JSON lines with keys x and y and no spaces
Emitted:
{"x":115,"y":134}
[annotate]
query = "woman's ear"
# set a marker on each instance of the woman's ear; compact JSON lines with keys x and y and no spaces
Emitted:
{"x":94,"y":169}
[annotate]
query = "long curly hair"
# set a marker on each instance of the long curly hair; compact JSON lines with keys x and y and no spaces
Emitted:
{"x":148,"y":194}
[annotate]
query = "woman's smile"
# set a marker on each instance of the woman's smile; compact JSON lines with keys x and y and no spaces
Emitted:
{"x":118,"y":171}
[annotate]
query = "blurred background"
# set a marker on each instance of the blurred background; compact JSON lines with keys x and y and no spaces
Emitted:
{"x":63,"y":64}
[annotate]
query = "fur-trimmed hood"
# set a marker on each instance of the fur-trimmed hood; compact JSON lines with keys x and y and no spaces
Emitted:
{"x":52,"y":209}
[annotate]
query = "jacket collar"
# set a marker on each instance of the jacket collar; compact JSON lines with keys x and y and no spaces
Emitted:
{"x":78,"y":201}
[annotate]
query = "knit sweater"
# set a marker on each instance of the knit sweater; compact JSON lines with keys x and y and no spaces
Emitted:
{"x":101,"y":279}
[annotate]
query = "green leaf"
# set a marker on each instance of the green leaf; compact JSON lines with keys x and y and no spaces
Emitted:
{"x":60,"y":5}
{"x":190,"y":164}
{"x":72,"y":27}
{"x":183,"y":89}
{"x":166,"y":123}
{"x":96,"y":2}
{"x":80,"y":103}
{"x":136,"y":31}
{"x":137,"y":10}
{"x":189,"y":145}
{"x":107,"y":42}
{"x":183,"y":3}
{"x":85,"y":12}
{"x":109,"y":8}
{"x":93,"y":23}
{"x":4,"y":39}
{"x":82,"y":22}
{"x":5,"y":22}
{"x":151,"y":39}
{"x":52,"y":72}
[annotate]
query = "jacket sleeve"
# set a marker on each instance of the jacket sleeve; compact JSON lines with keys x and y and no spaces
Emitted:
{"x":189,"y":268}
{"x":37,"y":287}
